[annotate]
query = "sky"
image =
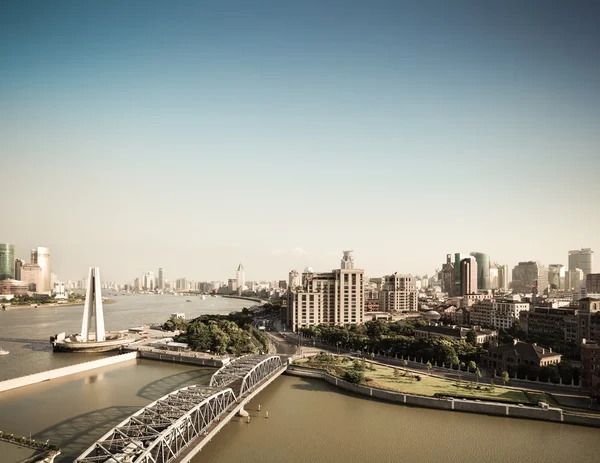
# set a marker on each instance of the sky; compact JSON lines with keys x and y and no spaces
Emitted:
{"x":196,"y":135}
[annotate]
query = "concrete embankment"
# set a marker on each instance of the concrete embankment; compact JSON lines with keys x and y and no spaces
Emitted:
{"x":180,"y":358}
{"x":460,"y":405}
{"x":65,"y":371}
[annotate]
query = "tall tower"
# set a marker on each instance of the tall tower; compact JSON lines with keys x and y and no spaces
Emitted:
{"x":347,"y":260}
{"x":41,"y":257}
{"x":240,"y":276}
{"x":583,"y":259}
{"x":93,"y":307}
{"x":468,"y":272}
{"x":161,"y":279}
{"x":7,"y":261}
{"x":483,"y":270}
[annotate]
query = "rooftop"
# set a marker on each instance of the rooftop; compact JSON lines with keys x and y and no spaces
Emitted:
{"x":523,"y":350}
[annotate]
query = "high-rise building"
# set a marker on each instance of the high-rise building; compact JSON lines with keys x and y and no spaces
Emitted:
{"x":556,"y":276}
{"x":468,"y":272}
{"x":240,"y":277}
{"x":483,"y":270}
{"x":32,"y":274}
{"x":293,"y":279}
{"x":161,"y":279}
{"x":530,"y":277}
{"x":7,"y":261}
{"x":583,"y":259}
{"x":149,"y":281}
{"x":494,"y":276}
{"x":503,"y":277}
{"x":447,"y":276}
{"x":398,"y":294}
{"x":458,"y":257}
{"x":333,"y":298}
{"x":574,"y":279}
{"x":18,"y":266}
{"x":592,"y":283}
{"x":232,"y":286}
{"x":41,"y":257}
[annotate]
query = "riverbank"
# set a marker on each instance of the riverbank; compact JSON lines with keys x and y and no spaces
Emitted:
{"x":545,"y":413}
{"x":9,"y":306}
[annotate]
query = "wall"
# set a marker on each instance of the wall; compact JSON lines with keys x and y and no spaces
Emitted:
{"x":65,"y":371}
{"x":174,"y":357}
{"x":470,"y":406}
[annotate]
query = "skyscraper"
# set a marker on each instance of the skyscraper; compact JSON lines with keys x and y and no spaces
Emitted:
{"x":161,"y":279}
{"x":530,"y":277}
{"x":347,"y":260}
{"x":468,"y":272}
{"x":7,"y":261}
{"x":556,"y":276}
{"x":240,"y":277}
{"x":483,"y":270}
{"x":447,"y":276}
{"x":398,"y":294}
{"x":458,"y":257}
{"x":583,"y":259}
{"x":503,"y":277}
{"x":41,"y":257}
{"x":18,"y":266}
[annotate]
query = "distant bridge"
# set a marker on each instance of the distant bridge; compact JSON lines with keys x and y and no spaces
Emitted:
{"x":173,"y":425}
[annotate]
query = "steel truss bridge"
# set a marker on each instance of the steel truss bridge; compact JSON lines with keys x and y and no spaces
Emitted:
{"x":160,"y":431}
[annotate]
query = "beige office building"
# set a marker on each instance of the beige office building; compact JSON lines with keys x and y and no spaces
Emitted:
{"x":333,"y":298}
{"x":398,"y":294}
{"x":41,"y":257}
{"x":32,"y":275}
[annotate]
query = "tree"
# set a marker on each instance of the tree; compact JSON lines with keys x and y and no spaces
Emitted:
{"x":505,"y":377}
{"x":396,"y":373}
{"x":372,"y":355}
{"x":405,"y":363}
{"x":429,"y":366}
{"x":462,"y":365}
{"x":472,"y":337}
{"x":358,"y":366}
{"x":354,"y":376}
{"x":472,"y":366}
{"x":478,"y":374}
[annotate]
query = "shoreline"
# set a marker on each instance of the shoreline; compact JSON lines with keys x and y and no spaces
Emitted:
{"x":490,"y":408}
{"x":53,"y":304}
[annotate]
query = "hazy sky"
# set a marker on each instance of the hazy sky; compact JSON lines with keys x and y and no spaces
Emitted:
{"x":195,"y":135}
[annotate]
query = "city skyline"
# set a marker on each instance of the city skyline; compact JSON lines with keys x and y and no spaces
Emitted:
{"x":143,"y":135}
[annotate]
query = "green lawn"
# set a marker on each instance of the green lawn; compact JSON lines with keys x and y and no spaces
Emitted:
{"x":383,"y":377}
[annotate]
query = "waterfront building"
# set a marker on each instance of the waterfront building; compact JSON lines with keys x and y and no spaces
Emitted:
{"x":582,"y":259}
{"x":7,"y":261}
{"x":592,"y":283}
{"x":530,"y":277}
{"x":590,"y":358}
{"x":468,"y":276}
{"x":149,"y":281}
{"x":458,"y":333}
{"x":232,"y":286}
{"x":14,"y":287}
{"x":32,"y":275}
{"x":161,"y":279}
{"x":501,"y":358}
{"x":333,"y":298}
{"x":240,"y":277}
{"x":18,"y":266}
{"x":483,"y":271}
{"x":447,"y":276}
{"x":398,"y":294}
{"x":41,"y":257}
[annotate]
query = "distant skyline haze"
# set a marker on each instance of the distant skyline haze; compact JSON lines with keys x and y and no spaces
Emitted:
{"x":194,"y":136}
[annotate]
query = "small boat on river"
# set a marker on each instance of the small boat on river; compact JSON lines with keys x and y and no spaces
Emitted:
{"x":3,"y":352}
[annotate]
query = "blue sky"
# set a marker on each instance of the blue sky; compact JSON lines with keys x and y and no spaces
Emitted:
{"x":194,"y":135}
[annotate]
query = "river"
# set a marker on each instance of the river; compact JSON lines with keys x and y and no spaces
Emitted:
{"x":25,"y":332}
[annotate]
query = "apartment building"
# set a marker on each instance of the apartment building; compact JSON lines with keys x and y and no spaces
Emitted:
{"x":398,"y":294}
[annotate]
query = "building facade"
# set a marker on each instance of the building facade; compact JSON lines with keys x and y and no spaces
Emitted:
{"x":447,"y":276}
{"x":483,"y":270}
{"x":592,"y":283}
{"x":458,"y":333}
{"x":556,"y":276}
{"x":590,"y":359}
{"x":503,"y":277}
{"x":398,"y":294}
{"x":582,"y":259}
{"x":161,"y":279}
{"x":501,"y":314}
{"x":32,"y":275}
{"x":468,"y":276}
{"x":240,"y":276}
{"x":7,"y":261}
{"x":41,"y":257}
{"x":502,"y":358}
{"x":333,"y":298}
{"x":530,"y":277}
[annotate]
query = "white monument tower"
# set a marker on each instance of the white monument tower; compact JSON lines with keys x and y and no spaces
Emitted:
{"x":93,"y":308}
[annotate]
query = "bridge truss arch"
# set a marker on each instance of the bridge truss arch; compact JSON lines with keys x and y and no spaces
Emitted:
{"x":249,"y":370}
{"x":159,"y":431}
